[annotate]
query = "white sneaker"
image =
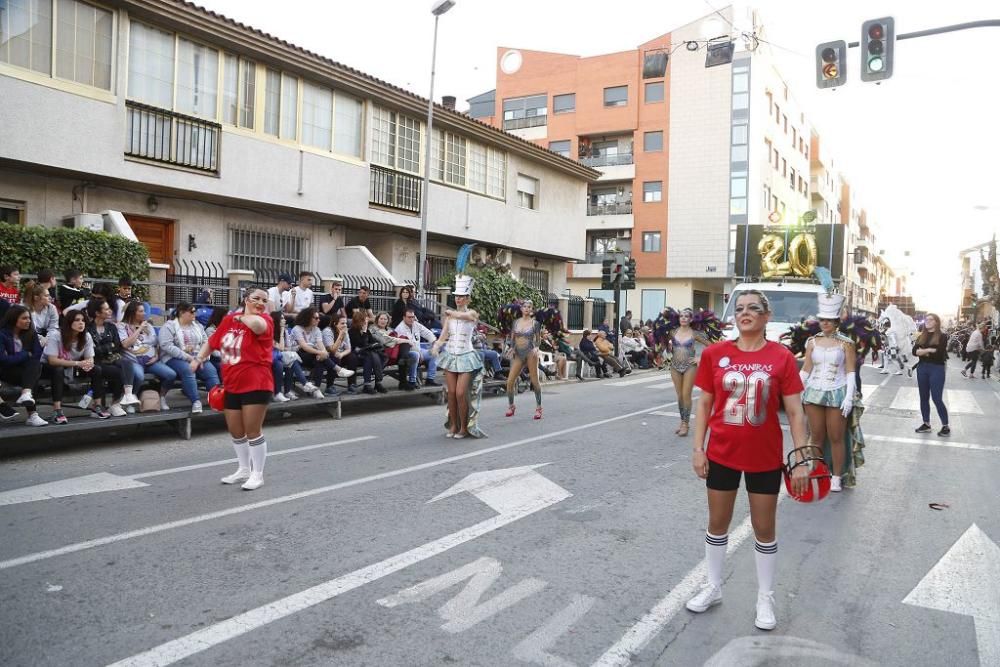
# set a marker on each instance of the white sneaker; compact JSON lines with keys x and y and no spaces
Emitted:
{"x":709,"y":596}
{"x":35,"y":420}
{"x":163,"y":404}
{"x":309,"y":388}
{"x":898,"y":373}
{"x":344,"y":372}
{"x":130,"y":399}
{"x":196,"y":408}
{"x":238,"y":476}
{"x":256,"y":479}
{"x":765,"y":611}
{"x":317,"y":393}
{"x":835,"y":485}
{"x":884,"y":371}
{"x":280,"y":398}
{"x":130,"y":409}
{"x":26,"y":397}
{"x":292,"y":396}
{"x":116,"y":410}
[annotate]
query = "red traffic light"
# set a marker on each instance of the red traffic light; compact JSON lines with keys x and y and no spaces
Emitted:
{"x":829,"y":55}
{"x":877,"y":31}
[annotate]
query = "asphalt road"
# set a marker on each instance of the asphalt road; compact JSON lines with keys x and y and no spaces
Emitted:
{"x":574,"y":540}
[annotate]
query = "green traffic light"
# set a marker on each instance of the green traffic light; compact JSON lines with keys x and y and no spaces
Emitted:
{"x":876,"y":64}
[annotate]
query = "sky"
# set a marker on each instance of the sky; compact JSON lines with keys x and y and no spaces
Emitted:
{"x":922,"y":150}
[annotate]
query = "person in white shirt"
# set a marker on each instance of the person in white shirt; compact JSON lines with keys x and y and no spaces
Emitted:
{"x":973,"y":348}
{"x":301,"y":296}
{"x":277,"y":295}
{"x":414,"y":332}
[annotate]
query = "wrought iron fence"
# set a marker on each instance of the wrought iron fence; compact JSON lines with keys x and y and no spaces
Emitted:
{"x":171,"y":137}
{"x":394,"y":189}
{"x":575,"y":315}
{"x":196,"y":282}
{"x":600,"y":311}
{"x":437,"y":268}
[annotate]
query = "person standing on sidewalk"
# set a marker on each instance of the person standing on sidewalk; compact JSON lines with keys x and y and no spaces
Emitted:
{"x":973,"y":348}
{"x":932,"y":350}
{"x":743,"y":384}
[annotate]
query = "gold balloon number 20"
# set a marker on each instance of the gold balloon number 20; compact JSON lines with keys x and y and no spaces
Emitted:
{"x":802,"y":255}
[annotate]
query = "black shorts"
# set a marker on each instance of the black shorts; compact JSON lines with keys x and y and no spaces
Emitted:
{"x":237,"y":401}
{"x":722,"y":478}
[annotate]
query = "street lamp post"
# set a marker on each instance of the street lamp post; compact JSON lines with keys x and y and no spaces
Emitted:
{"x":437,"y":9}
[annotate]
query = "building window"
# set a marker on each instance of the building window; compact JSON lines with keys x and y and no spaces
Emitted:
{"x":616,"y":96}
{"x":281,"y":96}
{"x":151,"y":66}
{"x":521,"y":112}
{"x":652,"y":191}
{"x":12,"y":212}
{"x":317,"y":116}
{"x":395,"y":140}
{"x":527,"y":191}
{"x":561,"y":147}
{"x":653,"y":303}
{"x":654,"y":92}
{"x":496,"y":173}
{"x":477,"y":167}
{"x":652,"y":141}
{"x":238,"y":91}
{"x":536,"y":279}
{"x":564,"y":103}
{"x":267,"y":253}
{"x":347,"y":124}
{"x":454,"y":172}
{"x":83,"y":39}
{"x":197,"y":79}
{"x":651,"y":241}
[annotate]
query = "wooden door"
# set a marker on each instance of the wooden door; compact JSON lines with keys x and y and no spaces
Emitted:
{"x":157,"y":235}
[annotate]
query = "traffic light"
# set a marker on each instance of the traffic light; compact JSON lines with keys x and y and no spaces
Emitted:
{"x":877,"y":39}
{"x":609,"y":271}
{"x":831,"y":64}
{"x":628,"y":275}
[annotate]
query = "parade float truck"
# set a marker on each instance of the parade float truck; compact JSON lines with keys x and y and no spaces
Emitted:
{"x":779,"y":260}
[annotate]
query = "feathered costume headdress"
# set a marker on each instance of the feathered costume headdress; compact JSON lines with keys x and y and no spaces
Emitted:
{"x":548,"y":317}
{"x":703,"y":322}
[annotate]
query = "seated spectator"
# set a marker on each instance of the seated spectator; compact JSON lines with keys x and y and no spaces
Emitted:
{"x":491,"y":358}
{"x":413,"y":332}
{"x":278,"y":295}
{"x":20,"y":358}
{"x":47,"y":279}
{"x":214,"y":320}
{"x":43,"y":314}
{"x":287,"y":365}
{"x":360,"y":302}
{"x":366,"y":349}
{"x":123,"y":297}
{"x":308,"y":342}
{"x":181,"y":339}
{"x":548,"y":344}
{"x":10,"y":285}
{"x":108,"y":354}
{"x":393,"y":348}
{"x":337,"y":341}
{"x":69,"y":351}
{"x":587,"y":353}
{"x":634,"y":347}
{"x":141,"y":345}
{"x":72,"y":293}
{"x":607,"y":352}
{"x":405,"y":300}
{"x":301,"y":296}
{"x":333,"y":304}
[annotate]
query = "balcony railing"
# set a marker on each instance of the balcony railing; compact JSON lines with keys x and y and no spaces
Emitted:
{"x":610,"y":208}
{"x":596,"y":257}
{"x":613,"y":160}
{"x":521,"y":123}
{"x":172,"y":138}
{"x":394,"y":189}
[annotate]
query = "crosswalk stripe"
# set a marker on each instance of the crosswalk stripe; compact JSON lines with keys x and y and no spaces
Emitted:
{"x":937,"y":442}
{"x":959,"y":401}
{"x":642,"y":380}
{"x":665,"y":385}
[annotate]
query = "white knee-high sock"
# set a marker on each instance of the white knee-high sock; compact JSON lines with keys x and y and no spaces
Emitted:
{"x":242,"y":452}
{"x":766,"y":555}
{"x":715,"y":556}
{"x":258,"y":452}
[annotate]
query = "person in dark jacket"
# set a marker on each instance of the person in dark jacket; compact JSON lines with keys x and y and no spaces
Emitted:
{"x":108,"y":353}
{"x":932,"y":350}
{"x":399,"y":308}
{"x":587,"y":352}
{"x":72,"y":291}
{"x":21,"y":358}
{"x":360,"y":302}
{"x":366,"y":349}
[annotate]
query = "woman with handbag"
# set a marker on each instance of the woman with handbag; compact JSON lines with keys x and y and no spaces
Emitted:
{"x":180,"y":340}
{"x":366,"y":349}
{"x":141,"y":345}
{"x":108,"y":354}
{"x":20,"y":358}
{"x":394,"y":350}
{"x":308,"y":342}
{"x":245,"y":339}
{"x":462,"y":364}
{"x":70,"y":352}
{"x":286,"y":365}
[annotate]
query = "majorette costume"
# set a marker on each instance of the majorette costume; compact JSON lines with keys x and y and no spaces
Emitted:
{"x":706,"y":329}
{"x":459,"y":356}
{"x":828,"y":384}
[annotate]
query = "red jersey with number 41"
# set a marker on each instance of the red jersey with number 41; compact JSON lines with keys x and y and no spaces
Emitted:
{"x":747,"y":388}
{"x":246,"y":356}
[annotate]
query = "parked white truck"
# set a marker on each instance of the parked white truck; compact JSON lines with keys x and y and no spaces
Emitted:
{"x":791,"y":302}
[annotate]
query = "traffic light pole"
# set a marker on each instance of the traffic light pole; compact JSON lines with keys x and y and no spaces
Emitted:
{"x":990,"y":23}
{"x":618,"y":315}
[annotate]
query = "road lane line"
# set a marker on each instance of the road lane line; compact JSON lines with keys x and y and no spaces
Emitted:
{"x":643,"y":380}
{"x":650,"y":625}
{"x":938,"y":442}
{"x":180,"y":523}
{"x":270,"y":453}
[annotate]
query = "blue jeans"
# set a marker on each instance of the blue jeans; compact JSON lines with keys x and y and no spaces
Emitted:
{"x":163,"y":373}
{"x":416,"y":356}
{"x":491,"y":357}
{"x":189,"y":381}
{"x":930,"y":383}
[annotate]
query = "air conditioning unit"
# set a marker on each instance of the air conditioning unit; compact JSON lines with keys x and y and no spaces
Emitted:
{"x":625,"y":234}
{"x":92,"y":221}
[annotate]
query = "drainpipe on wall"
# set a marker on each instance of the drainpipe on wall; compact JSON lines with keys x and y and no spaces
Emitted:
{"x":301,"y":162}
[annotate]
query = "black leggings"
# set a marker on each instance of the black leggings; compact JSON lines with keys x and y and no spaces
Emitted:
{"x":24,"y":375}
{"x":371,"y":363}
{"x":319,"y":368}
{"x":103,"y":378}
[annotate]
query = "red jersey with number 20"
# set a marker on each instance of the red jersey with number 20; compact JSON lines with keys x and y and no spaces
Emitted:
{"x":747,"y":388}
{"x":246,"y":356}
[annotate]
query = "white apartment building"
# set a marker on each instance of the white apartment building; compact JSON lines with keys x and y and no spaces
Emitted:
{"x":213,"y":142}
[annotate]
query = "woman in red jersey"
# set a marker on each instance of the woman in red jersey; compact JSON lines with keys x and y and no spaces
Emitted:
{"x":743,"y":382}
{"x":244,"y":339}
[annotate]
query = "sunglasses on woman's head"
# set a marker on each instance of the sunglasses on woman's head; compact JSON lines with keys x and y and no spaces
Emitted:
{"x":749,"y":308}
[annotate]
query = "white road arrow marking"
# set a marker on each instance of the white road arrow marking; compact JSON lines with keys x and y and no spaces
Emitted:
{"x":77,"y":486}
{"x":966,"y":581}
{"x":523,"y":480}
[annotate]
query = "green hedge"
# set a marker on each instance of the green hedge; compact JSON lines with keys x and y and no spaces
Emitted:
{"x":96,"y":254}
{"x":493,"y":290}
